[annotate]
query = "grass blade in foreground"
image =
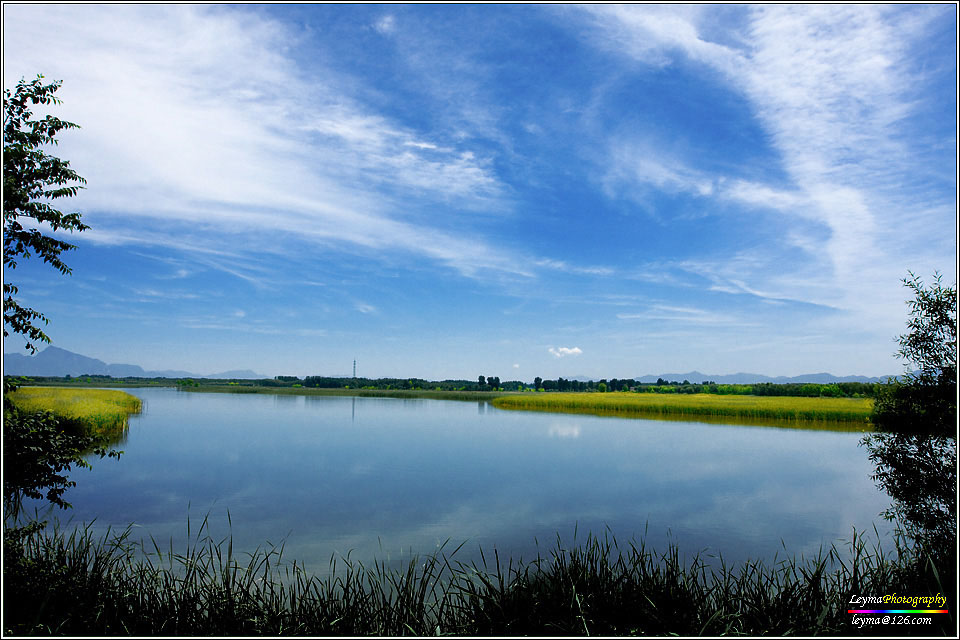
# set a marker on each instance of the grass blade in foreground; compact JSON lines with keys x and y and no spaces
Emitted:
{"x":60,"y":583}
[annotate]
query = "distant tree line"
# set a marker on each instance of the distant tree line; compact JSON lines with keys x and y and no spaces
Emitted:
{"x":809,"y":390}
{"x":482,"y":383}
{"x":493,"y":383}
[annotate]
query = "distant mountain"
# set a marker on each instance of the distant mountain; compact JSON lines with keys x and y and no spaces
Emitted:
{"x":54,"y":361}
{"x":240,"y":374}
{"x":696,"y":377}
{"x":752,"y":378}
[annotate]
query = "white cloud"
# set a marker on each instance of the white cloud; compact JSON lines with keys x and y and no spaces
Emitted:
{"x":154,"y":295}
{"x":834,"y":87}
{"x":645,"y":162}
{"x":651,"y":33}
{"x":686,"y":315}
{"x":386,"y":25}
{"x":565,"y":351}
{"x":197,"y":117}
{"x":765,"y":196}
{"x":560,"y":265}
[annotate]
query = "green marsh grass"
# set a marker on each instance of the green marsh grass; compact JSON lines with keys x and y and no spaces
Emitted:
{"x":67,"y":583}
{"x":100,"y":412}
{"x":855,"y":412}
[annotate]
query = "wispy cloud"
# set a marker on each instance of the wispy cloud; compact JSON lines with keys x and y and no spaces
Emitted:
{"x":834,"y":87}
{"x":561,"y":352}
{"x":686,"y":315}
{"x":386,"y":25}
{"x":228,"y":134}
{"x":645,"y":163}
{"x":155,"y":295}
{"x":561,"y":265}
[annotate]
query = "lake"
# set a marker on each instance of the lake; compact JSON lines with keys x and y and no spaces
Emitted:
{"x":385,"y":477}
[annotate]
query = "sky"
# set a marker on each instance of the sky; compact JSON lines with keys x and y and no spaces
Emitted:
{"x":506,"y":190}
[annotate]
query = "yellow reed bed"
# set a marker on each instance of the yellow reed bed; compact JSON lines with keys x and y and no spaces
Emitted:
{"x":775,"y":408}
{"x":97,"y":411}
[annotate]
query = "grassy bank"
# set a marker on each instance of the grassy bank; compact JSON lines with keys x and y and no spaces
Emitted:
{"x":849,"y":414}
{"x":854,"y":411}
{"x":58,"y":583}
{"x":99,"y":412}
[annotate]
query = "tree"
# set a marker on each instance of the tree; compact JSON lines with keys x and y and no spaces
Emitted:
{"x":31,"y":179}
{"x":915,"y":447}
{"x":37,"y":449}
{"x":537,"y":382}
{"x":37,"y":453}
{"x":924,"y":398}
{"x":482,"y":382}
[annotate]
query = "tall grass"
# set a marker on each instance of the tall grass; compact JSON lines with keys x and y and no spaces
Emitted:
{"x":75,"y":583}
{"x":99,"y":412}
{"x":771,"y":408}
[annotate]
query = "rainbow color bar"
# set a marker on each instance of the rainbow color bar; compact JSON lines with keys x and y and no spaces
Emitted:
{"x":897,"y":611}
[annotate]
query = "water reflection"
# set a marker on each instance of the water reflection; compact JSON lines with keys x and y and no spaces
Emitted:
{"x":286,"y":399}
{"x":389,"y":474}
{"x":809,"y":425}
{"x":919,"y":472}
{"x":113,"y":439}
{"x":564,"y":431}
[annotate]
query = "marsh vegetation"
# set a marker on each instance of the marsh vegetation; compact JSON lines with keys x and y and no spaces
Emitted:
{"x":98,"y":412}
{"x":76,"y":583}
{"x":854,"y":411}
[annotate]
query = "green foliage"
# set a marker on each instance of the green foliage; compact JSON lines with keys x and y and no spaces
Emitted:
{"x":38,"y":452}
{"x":31,"y":179}
{"x":916,"y":452}
{"x":919,"y":472}
{"x":924,"y":399}
{"x":46,"y":432}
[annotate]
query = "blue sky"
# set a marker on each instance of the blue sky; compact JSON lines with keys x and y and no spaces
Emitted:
{"x":518,"y":191}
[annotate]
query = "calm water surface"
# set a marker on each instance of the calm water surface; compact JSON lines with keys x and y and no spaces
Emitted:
{"x":385,"y":477}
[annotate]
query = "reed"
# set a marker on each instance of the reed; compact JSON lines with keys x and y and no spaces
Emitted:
{"x":99,"y":412}
{"x":75,"y":583}
{"x":775,"y":408}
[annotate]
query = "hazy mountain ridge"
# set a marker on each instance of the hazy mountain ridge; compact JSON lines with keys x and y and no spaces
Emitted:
{"x":54,"y":361}
{"x":753,"y":378}
{"x":695,"y":377}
